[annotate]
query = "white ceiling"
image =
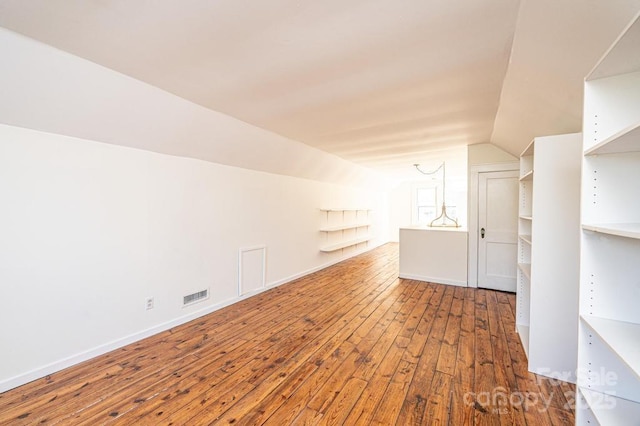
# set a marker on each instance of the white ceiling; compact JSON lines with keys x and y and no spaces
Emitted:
{"x":379,"y":82}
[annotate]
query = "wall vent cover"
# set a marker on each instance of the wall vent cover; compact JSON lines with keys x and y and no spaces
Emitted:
{"x":195,"y":297}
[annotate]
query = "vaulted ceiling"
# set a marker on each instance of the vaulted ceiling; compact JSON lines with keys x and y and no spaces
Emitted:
{"x":383,"y":83}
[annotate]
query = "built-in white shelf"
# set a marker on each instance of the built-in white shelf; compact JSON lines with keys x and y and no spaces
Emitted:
{"x":628,"y":230}
{"x":344,"y":227}
{"x":528,"y":151}
{"x":327,"y":209}
{"x":523,"y":280}
{"x":627,"y":140}
{"x":525,"y":238}
{"x":523,"y":332}
{"x":606,"y":409}
{"x":344,"y":244}
{"x":621,"y":57}
{"x":527,"y":176}
{"x":547,"y":284}
{"x":622,"y":337}
{"x":526,"y":269}
{"x":611,"y":208}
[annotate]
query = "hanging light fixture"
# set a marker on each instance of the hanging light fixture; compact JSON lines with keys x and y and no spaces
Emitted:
{"x":443,"y":214}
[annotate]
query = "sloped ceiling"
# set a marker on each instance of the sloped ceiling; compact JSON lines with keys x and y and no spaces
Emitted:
{"x":379,"y":82}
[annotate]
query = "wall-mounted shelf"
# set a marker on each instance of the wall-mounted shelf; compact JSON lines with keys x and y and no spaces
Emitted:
{"x":344,"y":244}
{"x":344,"y":210}
{"x":344,"y":228}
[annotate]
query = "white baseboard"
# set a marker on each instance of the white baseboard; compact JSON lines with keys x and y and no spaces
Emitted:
{"x":434,"y":280}
{"x":323,"y":266}
{"x":40,"y":372}
{"x":56,"y":366}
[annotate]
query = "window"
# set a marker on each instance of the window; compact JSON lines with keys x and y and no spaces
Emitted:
{"x":426,"y":204}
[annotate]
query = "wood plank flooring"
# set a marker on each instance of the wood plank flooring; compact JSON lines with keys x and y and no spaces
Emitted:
{"x":351,"y":344}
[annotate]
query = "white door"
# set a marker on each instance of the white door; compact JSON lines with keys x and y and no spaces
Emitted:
{"x":498,"y":230}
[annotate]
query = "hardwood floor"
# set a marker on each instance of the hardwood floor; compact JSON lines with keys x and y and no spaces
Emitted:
{"x":351,"y":344}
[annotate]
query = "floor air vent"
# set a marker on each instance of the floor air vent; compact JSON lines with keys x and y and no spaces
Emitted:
{"x":195,"y":297}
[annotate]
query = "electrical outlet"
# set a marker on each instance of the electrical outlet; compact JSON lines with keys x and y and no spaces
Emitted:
{"x":149,"y":303}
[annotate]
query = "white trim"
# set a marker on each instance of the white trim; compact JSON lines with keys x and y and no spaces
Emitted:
{"x":434,"y":280}
{"x":264,"y":266}
{"x":472,"y":241}
{"x":40,"y":372}
{"x":424,"y":184}
{"x":326,"y":265}
{"x":72,"y":360}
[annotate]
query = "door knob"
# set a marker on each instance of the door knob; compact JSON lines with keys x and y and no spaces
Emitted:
{"x":482,"y":232}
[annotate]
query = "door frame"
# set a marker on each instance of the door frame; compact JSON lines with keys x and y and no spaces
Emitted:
{"x":472,"y":248}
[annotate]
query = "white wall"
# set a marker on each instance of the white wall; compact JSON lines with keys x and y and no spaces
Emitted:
{"x":89,"y":230}
{"x":101,"y":207}
{"x":399,"y":210}
{"x":401,"y":197}
{"x":47,"y":89}
{"x":486,"y":153}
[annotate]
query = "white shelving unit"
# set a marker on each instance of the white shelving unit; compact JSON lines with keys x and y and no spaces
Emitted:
{"x":526,"y":239}
{"x":548,"y":253}
{"x":629,"y":230}
{"x":525,"y":222}
{"x":526,"y":269}
{"x":609,"y":326}
{"x":597,"y":408}
{"x":344,"y":228}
